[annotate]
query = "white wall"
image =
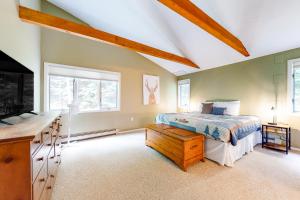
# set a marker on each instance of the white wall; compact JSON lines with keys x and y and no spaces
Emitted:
{"x":21,"y":41}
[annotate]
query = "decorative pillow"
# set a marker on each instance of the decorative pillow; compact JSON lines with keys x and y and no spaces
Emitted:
{"x":207,"y":108}
{"x":218,"y":110}
{"x":232,"y":106}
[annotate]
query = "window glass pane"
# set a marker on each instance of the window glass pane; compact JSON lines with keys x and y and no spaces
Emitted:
{"x":88,"y":94}
{"x":109,"y":94}
{"x":60,"y":92}
{"x":184,"y":95}
{"x":297,"y":90}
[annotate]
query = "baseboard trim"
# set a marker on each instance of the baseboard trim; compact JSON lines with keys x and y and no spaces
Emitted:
{"x":131,"y":131}
{"x":87,"y":136}
{"x":295,"y":148}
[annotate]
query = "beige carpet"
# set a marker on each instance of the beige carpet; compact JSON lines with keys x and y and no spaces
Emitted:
{"x":123,"y":168}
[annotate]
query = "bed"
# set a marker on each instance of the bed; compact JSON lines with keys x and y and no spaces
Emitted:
{"x":228,"y":137}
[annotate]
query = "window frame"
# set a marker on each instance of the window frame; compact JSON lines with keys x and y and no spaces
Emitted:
{"x":180,"y":83}
{"x":292,"y":64}
{"x":47,"y":75}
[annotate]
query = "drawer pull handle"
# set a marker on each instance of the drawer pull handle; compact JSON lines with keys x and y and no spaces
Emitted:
{"x":8,"y":160}
{"x":51,"y":157}
{"x":42,"y":180}
{"x":49,"y":188}
{"x":56,"y":162}
{"x":194,"y":146}
{"x":37,"y":141}
{"x":40,"y":159}
{"x":52,"y":176}
{"x":46,"y":133}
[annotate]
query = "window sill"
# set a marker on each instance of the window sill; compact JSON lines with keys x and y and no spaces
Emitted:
{"x":66,"y":111}
{"x":99,"y":111}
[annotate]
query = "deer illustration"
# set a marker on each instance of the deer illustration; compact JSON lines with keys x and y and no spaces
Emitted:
{"x":151,"y":90}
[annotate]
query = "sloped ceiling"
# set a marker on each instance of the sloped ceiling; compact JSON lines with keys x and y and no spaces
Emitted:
{"x":264,"y":27}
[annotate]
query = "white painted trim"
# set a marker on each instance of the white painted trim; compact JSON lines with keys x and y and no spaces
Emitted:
{"x":89,"y":136}
{"x":131,"y":131}
{"x":295,"y":149}
{"x":46,"y":85}
{"x":80,"y":68}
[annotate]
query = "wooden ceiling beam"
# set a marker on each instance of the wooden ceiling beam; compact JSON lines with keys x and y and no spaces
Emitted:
{"x":191,"y":12}
{"x":52,"y":22}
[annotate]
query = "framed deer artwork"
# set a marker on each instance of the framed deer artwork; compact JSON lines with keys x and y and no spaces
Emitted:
{"x":151,"y":91}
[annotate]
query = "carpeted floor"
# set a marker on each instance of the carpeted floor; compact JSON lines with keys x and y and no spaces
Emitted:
{"x":123,"y":168}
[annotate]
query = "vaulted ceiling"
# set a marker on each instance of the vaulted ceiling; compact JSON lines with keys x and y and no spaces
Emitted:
{"x":264,"y":27}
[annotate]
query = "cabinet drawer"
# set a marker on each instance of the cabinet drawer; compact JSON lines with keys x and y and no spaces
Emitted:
{"x":39,"y":159}
{"x":40,"y":182}
{"x":58,"y":147}
{"x":46,"y":135}
{"x":51,"y":163}
{"x":36,"y":143}
{"x":46,"y":194}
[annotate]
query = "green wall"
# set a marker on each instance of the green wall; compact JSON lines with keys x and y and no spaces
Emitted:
{"x":255,"y":83}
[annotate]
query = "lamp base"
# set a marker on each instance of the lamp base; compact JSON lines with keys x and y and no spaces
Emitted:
{"x":272,"y":123}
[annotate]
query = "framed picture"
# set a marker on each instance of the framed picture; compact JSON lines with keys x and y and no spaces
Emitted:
{"x":151,"y":90}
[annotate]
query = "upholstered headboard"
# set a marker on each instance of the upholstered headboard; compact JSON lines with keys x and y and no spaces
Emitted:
{"x":232,"y":106}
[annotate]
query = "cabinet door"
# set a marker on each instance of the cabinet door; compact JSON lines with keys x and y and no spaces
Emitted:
{"x":15,"y":171}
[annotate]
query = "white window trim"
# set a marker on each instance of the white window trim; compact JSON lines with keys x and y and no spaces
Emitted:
{"x":290,"y":85}
{"x":46,"y":85}
{"x":182,"y":82}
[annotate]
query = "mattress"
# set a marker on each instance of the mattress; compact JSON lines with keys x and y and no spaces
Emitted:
{"x":223,"y":128}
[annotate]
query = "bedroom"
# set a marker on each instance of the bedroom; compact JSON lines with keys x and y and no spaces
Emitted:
{"x":120,"y":165}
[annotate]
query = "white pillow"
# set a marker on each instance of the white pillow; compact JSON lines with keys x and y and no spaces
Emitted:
{"x":232,"y":107}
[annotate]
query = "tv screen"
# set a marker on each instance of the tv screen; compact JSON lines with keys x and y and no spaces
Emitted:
{"x":16,"y":87}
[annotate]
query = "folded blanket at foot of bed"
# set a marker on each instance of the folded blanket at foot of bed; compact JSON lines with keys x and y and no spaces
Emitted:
{"x":225,"y":128}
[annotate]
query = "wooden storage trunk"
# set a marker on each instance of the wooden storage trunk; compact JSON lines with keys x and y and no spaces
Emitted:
{"x":181,"y":146}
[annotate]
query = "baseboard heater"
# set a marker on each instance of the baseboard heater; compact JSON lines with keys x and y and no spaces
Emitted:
{"x":89,"y":135}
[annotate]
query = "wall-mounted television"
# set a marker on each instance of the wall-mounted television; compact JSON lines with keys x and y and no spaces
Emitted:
{"x":16,"y":87}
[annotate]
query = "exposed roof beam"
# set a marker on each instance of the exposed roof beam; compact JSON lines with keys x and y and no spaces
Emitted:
{"x":191,"y":12}
{"x":49,"y":21}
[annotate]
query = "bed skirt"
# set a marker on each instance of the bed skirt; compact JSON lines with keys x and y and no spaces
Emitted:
{"x":226,"y":153}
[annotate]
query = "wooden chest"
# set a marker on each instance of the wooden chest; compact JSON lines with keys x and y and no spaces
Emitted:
{"x":181,"y":146}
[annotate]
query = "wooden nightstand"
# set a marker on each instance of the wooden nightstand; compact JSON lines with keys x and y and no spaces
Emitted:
{"x":280,"y":137}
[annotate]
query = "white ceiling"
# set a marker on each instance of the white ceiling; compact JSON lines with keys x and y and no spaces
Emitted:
{"x":264,"y":27}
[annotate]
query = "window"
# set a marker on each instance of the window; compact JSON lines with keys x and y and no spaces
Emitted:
{"x":61,"y":92}
{"x":109,"y":92}
{"x":294,"y":85}
{"x":184,"y":93}
{"x":93,"y":90}
{"x":88,"y":94}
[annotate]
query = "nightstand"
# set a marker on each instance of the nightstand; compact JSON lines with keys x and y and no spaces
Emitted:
{"x":276,"y":137}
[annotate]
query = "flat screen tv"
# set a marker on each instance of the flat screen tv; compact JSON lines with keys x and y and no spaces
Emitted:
{"x":16,"y":87}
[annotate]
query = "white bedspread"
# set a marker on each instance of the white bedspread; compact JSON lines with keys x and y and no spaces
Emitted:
{"x":226,"y":154}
